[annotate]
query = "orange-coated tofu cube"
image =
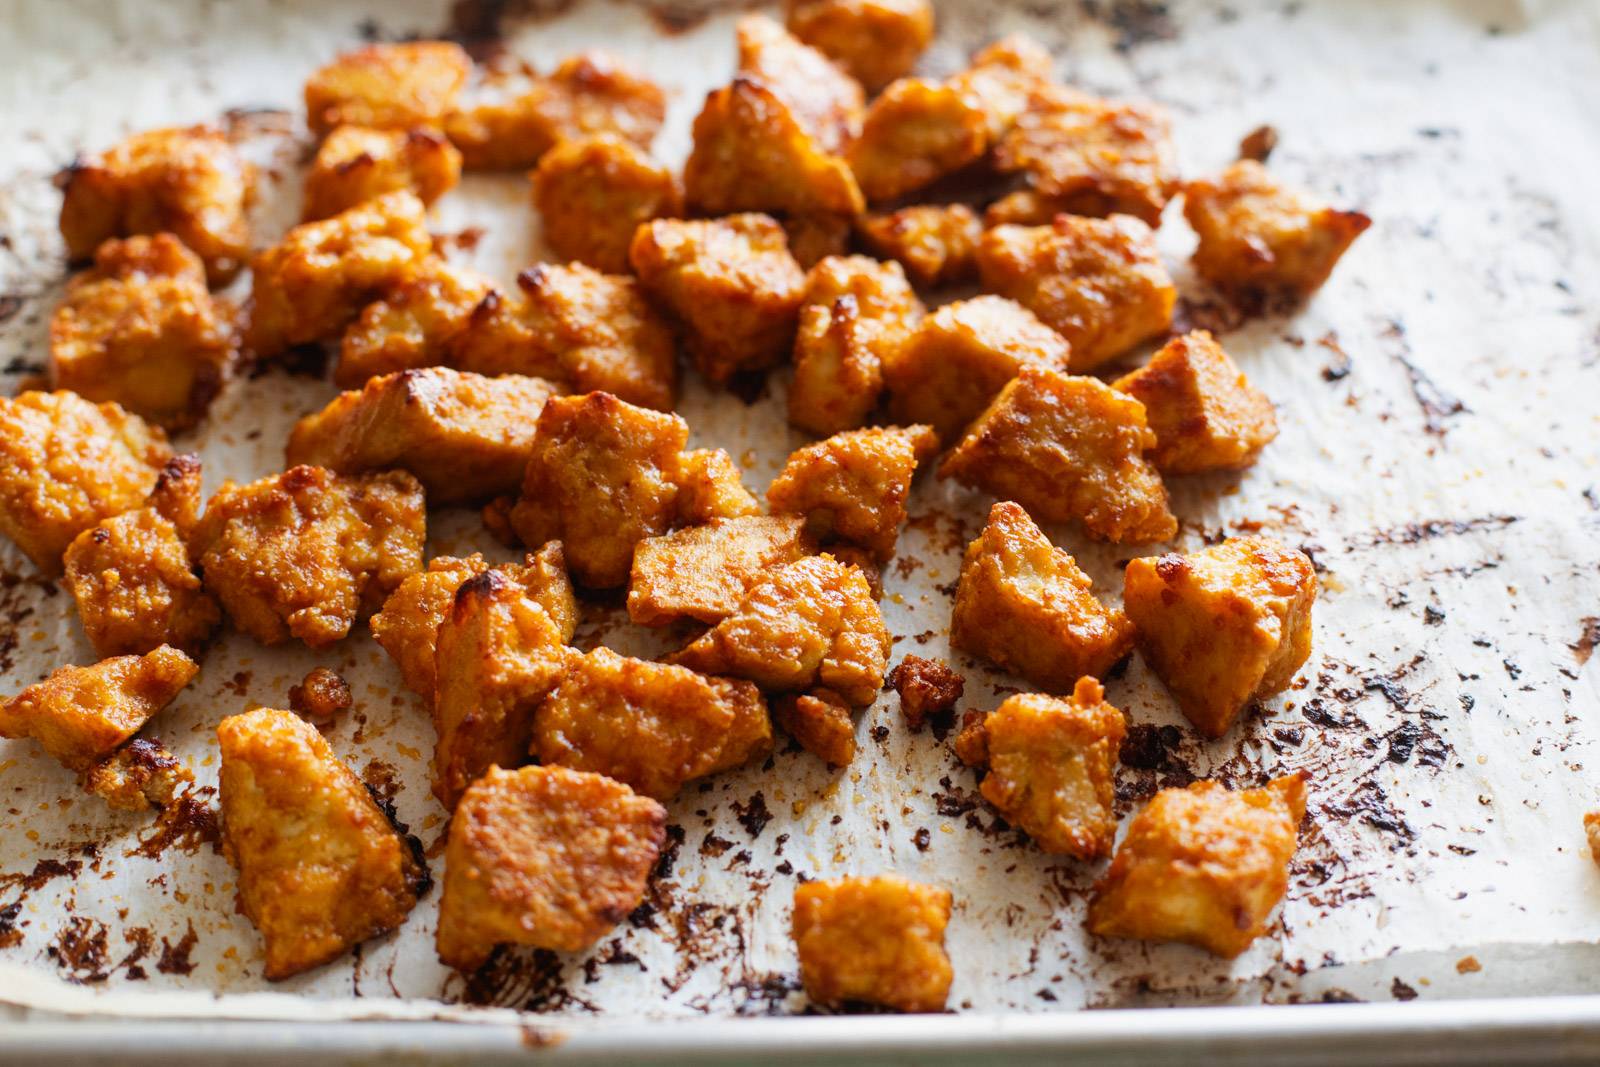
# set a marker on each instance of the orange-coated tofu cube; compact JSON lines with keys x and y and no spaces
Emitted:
{"x":820,"y":722}
{"x":1003,"y":77}
{"x":711,"y":487}
{"x":1258,"y":237}
{"x":593,"y":193}
{"x":358,"y":163}
{"x":813,"y":238}
{"x":546,"y":857}
{"x":936,"y":243}
{"x":1202,"y":865}
{"x":413,"y":325}
{"x":827,"y":102}
{"x":927,"y":687}
{"x":703,"y":572}
{"x":321,"y":868}
{"x":1099,"y":283}
{"x":465,"y":437}
{"x":1223,"y":626}
{"x":1027,"y":207}
{"x":387,"y":86}
{"x":138,"y":776}
{"x":1024,"y":604}
{"x":878,"y":940}
{"x":1067,"y":448}
{"x":875,"y":41}
{"x":917,"y":132}
{"x":1205,"y":413}
{"x":65,"y":464}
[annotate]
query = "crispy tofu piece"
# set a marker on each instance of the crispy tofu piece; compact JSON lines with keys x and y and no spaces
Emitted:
{"x":387,"y":87}
{"x":961,"y":356}
{"x":936,"y":243}
{"x":579,"y":327}
{"x":1003,"y":77}
{"x":820,"y":723}
{"x":1024,"y":604}
{"x":314,"y":283}
{"x":730,"y":282}
{"x":711,"y":487}
{"x":466,"y":437}
{"x":358,"y":163}
{"x":177,"y":493}
{"x":1025,"y":207}
{"x":1099,"y":283}
{"x":857,"y":314}
{"x":826,"y":100}
{"x":1258,"y":237}
{"x":1223,"y":626}
{"x":874,"y":41}
{"x":1052,"y":768}
{"x":189,"y":182}
{"x":1205,"y":413}
{"x":811,"y":623}
{"x":878,"y":940}
{"x":703,"y":572}
{"x":141,"y":329}
{"x":917,"y":132}
{"x":139,"y":776}
{"x":1068,"y":448}
{"x":413,"y":325}
{"x":66,"y":464}
{"x":927,"y":688}
{"x":321,"y":868}
{"x":593,"y":193}
{"x":853,"y":486}
{"x":1591,"y":831}
{"x":813,"y":238}
{"x":1202,"y":865}
{"x":308,"y":552}
{"x":322,"y":696}
{"x":81,"y":715}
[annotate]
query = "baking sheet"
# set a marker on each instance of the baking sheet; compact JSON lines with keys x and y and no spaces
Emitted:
{"x":1437,"y":458}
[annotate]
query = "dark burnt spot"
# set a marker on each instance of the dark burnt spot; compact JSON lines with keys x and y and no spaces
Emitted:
{"x":10,"y":304}
{"x":1413,"y":533}
{"x":1258,"y":143}
{"x":382,"y":785}
{"x":1588,"y":639}
{"x":1432,"y":616}
{"x":749,"y":386}
{"x":10,"y":935}
{"x":175,"y":956}
{"x":186,"y":824}
{"x":753,"y":814}
{"x":714,"y":845}
{"x":44,"y":871}
{"x":1150,"y":747}
{"x":1132,"y":22}
{"x":81,"y":949}
{"x":1401,"y":991}
{"x":1339,"y":366}
{"x":764,"y":994}
{"x":922,"y":839}
{"x":526,"y":979}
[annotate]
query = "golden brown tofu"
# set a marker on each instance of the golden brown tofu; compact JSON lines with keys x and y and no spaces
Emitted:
{"x":1591,"y":831}
{"x":820,"y":723}
{"x":874,"y":41}
{"x":1223,"y":626}
{"x":1205,"y":413}
{"x":413,"y":325}
{"x":66,"y":464}
{"x":853,"y":486}
{"x":387,"y":86}
{"x":1202,"y":865}
{"x":321,"y":697}
{"x":1027,"y":207}
{"x":1259,"y":238}
{"x":917,"y":132}
{"x":927,"y":688}
{"x":177,"y":493}
{"x":1025,"y":605}
{"x":650,"y":726}
{"x":308,"y":552}
{"x":314,"y":283}
{"x":1068,"y":448}
{"x":1003,"y":77}
{"x":936,"y":243}
{"x":857,"y":314}
{"x":1099,"y":283}
{"x":138,"y":776}
{"x":466,"y":437}
{"x":141,"y":329}
{"x":81,"y":715}
{"x":578,"y":327}
{"x":878,"y":940}
{"x":827,"y":102}
{"x":703,"y":572}
{"x":321,"y":868}
{"x":811,"y":623}
{"x":358,"y":163}
{"x":961,"y":356}
{"x":813,"y":238}
{"x":1052,"y":768}
{"x":593,"y":193}
{"x":191,"y":183}
{"x":730,"y":282}
{"x":711,"y":487}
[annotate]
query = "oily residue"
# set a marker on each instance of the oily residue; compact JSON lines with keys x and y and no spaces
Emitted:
{"x":82,"y":950}
{"x":753,"y":814}
{"x":186,"y":824}
{"x":175,"y":957}
{"x":1588,"y":638}
{"x":1413,"y":533}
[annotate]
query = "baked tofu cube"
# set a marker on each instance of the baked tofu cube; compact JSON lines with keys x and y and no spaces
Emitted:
{"x":81,"y":715}
{"x":730,"y":282}
{"x":1202,"y":865}
{"x":650,"y":726}
{"x":140,"y":775}
{"x":822,"y":96}
{"x":1259,"y":238}
{"x":413,"y":325}
{"x":711,"y":487}
{"x":141,"y":329}
{"x":546,"y":857}
{"x":820,"y":722}
{"x":853,"y":486}
{"x":1205,"y":413}
{"x":308,"y":552}
{"x":1003,"y":77}
{"x":465,"y":437}
{"x":936,"y":243}
{"x":1026,"y":207}
{"x":191,"y":183}
{"x":592,"y":194}
{"x":812,"y":623}
{"x":703,"y":572}
{"x":358,"y":163}
{"x":875,"y":940}
{"x":387,"y":86}
{"x":917,"y":132}
{"x":856,"y":315}
{"x":314,"y":283}
{"x":579,"y":327}
{"x":66,"y":464}
{"x":1051,"y":768}
{"x":1025,"y":605}
{"x":321,"y":868}
{"x":1099,"y":283}
{"x":927,"y":688}
{"x":874,"y":41}
{"x":961,"y":356}
{"x":813,"y":238}
{"x":1223,"y":626}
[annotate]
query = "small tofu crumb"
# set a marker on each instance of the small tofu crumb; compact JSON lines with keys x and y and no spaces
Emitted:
{"x":321,"y":696}
{"x":927,"y":687}
{"x":820,"y":722}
